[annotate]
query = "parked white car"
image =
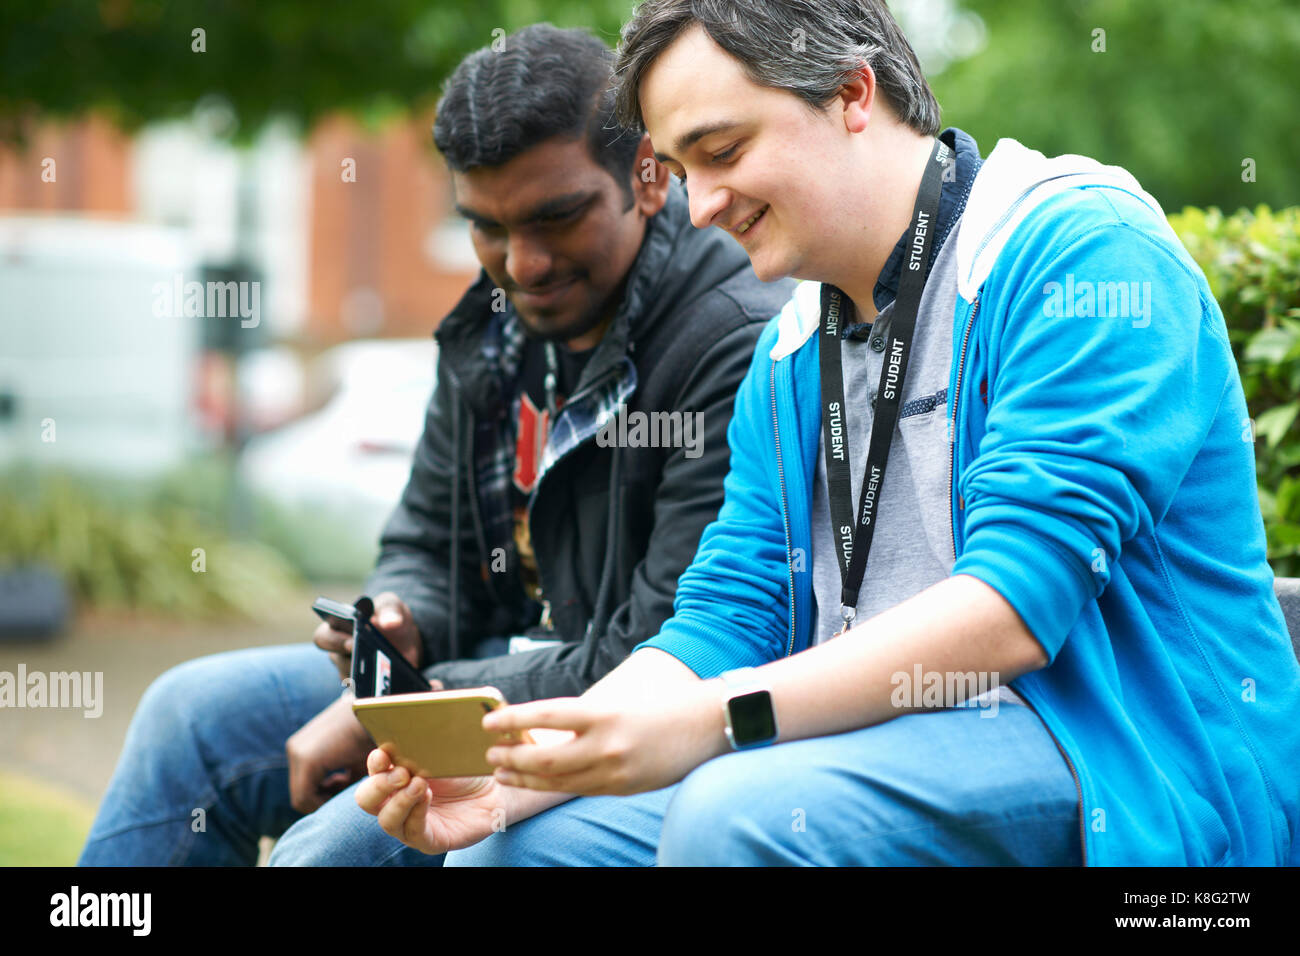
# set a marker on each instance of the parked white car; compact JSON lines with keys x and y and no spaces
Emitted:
{"x":344,"y":467}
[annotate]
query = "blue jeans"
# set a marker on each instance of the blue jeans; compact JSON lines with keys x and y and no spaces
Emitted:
{"x":203,"y":773}
{"x":950,"y":787}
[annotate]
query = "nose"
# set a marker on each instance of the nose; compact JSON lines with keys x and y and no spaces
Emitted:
{"x":528,"y":262}
{"x":707,"y":200}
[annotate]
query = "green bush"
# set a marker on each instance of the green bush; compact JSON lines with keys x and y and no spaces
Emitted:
{"x":119,"y":551}
{"x":321,"y":545}
{"x":1252,"y":260}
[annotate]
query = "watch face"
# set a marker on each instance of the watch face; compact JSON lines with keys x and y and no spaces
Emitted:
{"x":752,"y":720}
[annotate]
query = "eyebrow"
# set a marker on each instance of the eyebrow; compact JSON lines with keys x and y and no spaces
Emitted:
{"x":687,"y":140}
{"x":569,"y":202}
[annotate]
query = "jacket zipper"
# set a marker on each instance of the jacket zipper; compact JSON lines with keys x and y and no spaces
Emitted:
{"x":785,"y":517}
{"x":952,"y":439}
{"x":471,"y":484}
{"x":1083,"y":835}
{"x":952,"y":528}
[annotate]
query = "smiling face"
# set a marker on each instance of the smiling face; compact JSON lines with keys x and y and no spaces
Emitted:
{"x":758,"y":161}
{"x":550,"y":228}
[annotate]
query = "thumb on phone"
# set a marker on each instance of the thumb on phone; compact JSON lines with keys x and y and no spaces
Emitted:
{"x":390,"y":611}
{"x":395,"y":621}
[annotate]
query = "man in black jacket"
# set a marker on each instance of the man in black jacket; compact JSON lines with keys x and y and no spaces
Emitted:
{"x":573,"y":451}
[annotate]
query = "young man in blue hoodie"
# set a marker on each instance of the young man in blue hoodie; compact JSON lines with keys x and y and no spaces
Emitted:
{"x":994,"y":460}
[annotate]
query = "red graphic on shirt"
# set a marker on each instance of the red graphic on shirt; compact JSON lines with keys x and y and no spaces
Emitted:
{"x":534,"y":427}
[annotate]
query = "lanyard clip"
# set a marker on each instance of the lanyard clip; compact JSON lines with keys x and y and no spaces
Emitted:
{"x":848,"y":614}
{"x":552,"y":381}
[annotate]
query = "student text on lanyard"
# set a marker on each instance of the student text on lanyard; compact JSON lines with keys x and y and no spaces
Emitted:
{"x":853,"y":532}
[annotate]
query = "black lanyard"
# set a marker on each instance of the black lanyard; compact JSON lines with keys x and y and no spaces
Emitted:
{"x":853,"y":536}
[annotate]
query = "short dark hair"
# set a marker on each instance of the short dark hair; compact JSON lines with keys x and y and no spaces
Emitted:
{"x":810,"y":48}
{"x":535,"y":84}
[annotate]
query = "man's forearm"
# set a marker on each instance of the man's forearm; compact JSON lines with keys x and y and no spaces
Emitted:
{"x":647,"y":672}
{"x":960,"y":625}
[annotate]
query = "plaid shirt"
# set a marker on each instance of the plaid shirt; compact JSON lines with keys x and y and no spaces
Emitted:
{"x":582,"y":416}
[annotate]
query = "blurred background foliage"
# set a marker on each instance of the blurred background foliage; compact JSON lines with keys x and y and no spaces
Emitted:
{"x":1252,"y":260}
{"x":40,"y":825}
{"x":134,"y":59}
{"x":120,"y":545}
{"x":1184,"y":91}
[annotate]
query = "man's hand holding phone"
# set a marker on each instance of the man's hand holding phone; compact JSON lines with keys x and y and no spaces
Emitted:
{"x":440,"y":814}
{"x":328,"y":753}
{"x":432,"y":815}
{"x":392,"y":618}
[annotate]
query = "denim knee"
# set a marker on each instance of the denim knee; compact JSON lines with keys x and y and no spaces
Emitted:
{"x":513,"y":846}
{"x":340,"y":833}
{"x":589,"y":831}
{"x":716,"y":818}
{"x":174,"y":699}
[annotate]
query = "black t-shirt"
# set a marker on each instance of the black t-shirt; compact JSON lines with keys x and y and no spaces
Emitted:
{"x":532,"y":429}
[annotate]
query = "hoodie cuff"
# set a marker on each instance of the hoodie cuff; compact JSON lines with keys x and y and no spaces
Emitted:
{"x":706,"y":652}
{"x":1047,"y":587}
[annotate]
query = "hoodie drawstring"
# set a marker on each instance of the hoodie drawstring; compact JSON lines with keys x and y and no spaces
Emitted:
{"x":613,"y":553}
{"x":454,"y":597}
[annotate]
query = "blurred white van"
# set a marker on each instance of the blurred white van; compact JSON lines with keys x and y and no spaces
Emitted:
{"x":91,"y":378}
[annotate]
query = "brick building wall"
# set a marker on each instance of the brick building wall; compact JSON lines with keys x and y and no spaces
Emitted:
{"x":370,"y":269}
{"x":90,"y":171}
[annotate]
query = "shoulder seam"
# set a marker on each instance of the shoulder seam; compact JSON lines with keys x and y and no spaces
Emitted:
{"x":1119,"y":221}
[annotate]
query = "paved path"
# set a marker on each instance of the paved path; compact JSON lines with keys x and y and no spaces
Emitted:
{"x":76,"y":753}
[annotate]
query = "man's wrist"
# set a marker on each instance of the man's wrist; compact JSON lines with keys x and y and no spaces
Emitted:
{"x":749,"y":712}
{"x":353,"y":723}
{"x":520,"y":803}
{"x":712,"y":719}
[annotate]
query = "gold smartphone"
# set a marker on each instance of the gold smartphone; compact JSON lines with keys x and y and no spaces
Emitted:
{"x":438,"y":733}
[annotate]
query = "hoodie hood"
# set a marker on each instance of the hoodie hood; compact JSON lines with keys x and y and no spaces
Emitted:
{"x":1013,"y":182}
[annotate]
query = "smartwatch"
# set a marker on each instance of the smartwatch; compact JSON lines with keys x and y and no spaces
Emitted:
{"x":751,"y":722}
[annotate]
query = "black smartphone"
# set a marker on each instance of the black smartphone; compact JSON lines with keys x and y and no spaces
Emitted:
{"x":378,"y":668}
{"x":336,"y":614}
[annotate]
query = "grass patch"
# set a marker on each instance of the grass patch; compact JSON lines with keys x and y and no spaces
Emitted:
{"x":39,"y":824}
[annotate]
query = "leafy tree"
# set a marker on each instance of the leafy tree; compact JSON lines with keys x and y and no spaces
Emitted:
{"x":1181,"y":92}
{"x":1184,"y":92}
{"x":140,"y":60}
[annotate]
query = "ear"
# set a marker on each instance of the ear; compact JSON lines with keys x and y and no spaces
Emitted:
{"x":857,"y":99}
{"x":650,"y":179}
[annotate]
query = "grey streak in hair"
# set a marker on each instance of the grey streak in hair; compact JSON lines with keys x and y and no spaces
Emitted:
{"x":810,"y":48}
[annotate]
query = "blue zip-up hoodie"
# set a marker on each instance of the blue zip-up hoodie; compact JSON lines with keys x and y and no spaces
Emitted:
{"x":1103,"y":483}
